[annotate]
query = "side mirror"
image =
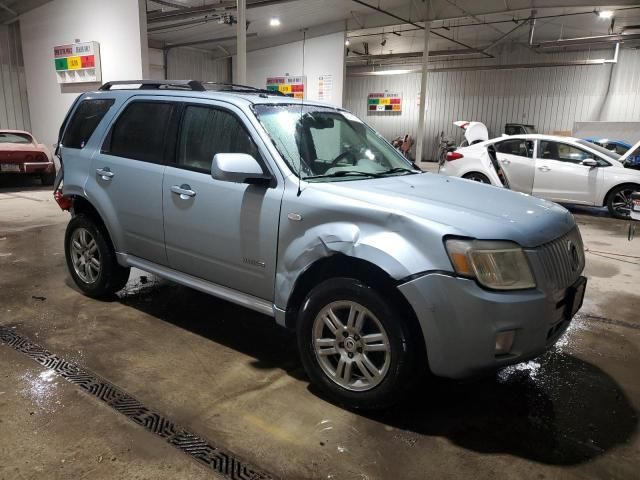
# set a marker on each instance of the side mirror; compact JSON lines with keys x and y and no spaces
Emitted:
{"x":237,"y":168}
{"x":589,"y":163}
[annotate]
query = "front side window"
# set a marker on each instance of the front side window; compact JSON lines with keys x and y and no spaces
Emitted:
{"x":85,"y":119}
{"x":140,"y":132}
{"x":561,"y":151}
{"x":324,"y":144}
{"x":206,"y":131}
{"x":519,"y":147}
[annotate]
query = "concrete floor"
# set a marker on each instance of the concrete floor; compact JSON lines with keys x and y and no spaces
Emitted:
{"x":233,"y":377}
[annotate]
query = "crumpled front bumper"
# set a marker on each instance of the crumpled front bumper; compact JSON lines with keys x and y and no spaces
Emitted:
{"x":460,"y":321}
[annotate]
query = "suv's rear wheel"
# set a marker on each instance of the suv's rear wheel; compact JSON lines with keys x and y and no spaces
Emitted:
{"x":356,"y":346}
{"x":91,"y":259}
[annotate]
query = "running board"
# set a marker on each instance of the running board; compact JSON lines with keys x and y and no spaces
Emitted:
{"x":225,"y":293}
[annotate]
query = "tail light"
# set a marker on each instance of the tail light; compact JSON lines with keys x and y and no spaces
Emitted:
{"x":454,"y":156}
{"x":63,"y":201}
{"x":41,"y":157}
{"x":28,"y":157}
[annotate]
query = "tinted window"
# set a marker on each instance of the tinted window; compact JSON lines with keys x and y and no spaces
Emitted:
{"x":563,"y":152}
{"x":206,"y":131}
{"x":522,"y":148}
{"x":12,"y":137}
{"x":84,"y":121}
{"x":512,"y":130}
{"x":140,"y":132}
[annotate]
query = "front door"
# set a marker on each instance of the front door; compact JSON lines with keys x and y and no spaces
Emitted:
{"x":560,"y":175}
{"x":219,"y":231}
{"x":516,"y":158}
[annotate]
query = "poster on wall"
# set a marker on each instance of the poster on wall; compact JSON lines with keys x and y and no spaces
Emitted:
{"x":325,"y":87}
{"x":288,"y":85}
{"x":384,"y":102}
{"x":77,"y":63}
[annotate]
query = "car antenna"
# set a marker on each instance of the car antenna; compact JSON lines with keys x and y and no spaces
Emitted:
{"x":304,"y":39}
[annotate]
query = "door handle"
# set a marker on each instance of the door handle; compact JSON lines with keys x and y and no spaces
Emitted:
{"x":505,"y":162}
{"x":544,"y":169}
{"x":105,"y":173}
{"x":184,"y":191}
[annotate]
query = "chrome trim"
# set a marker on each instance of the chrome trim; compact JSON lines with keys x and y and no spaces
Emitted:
{"x":561,"y":261}
{"x":225,"y":293}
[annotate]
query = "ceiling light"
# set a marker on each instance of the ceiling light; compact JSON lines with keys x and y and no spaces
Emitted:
{"x":347,"y":43}
{"x":275,"y":22}
{"x":605,"y":13}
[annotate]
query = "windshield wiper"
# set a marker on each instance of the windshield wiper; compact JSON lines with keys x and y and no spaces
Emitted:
{"x":398,"y":170}
{"x":344,"y":173}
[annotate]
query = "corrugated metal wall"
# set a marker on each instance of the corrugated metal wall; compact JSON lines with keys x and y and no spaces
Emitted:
{"x":551,"y":98}
{"x":187,"y":63}
{"x":14,"y":105}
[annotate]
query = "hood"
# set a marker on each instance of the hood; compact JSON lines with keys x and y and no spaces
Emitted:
{"x":474,"y":132}
{"x":633,"y":151}
{"x":463,"y":207}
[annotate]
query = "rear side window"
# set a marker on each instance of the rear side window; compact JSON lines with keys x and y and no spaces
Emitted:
{"x":206,"y":131}
{"x":140,"y":132}
{"x":522,"y":148}
{"x":84,"y":121}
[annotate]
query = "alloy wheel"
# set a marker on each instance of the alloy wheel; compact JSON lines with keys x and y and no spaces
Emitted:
{"x":351,"y":345}
{"x":622,"y":202}
{"x":85,"y":255}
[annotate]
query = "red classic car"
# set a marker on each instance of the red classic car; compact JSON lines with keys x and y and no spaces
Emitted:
{"x":21,"y":154}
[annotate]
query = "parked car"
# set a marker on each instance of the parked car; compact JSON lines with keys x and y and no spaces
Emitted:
{"x":304,"y":213}
{"x":618,"y":147}
{"x":561,"y":169}
{"x":20,"y":153}
{"x":519,"y":129}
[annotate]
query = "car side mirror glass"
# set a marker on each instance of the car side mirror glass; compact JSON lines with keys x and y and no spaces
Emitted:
{"x":589,"y":163}
{"x":237,"y":168}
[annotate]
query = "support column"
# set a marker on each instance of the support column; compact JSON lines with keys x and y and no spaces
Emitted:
{"x":423,"y":94}
{"x":241,"y":67}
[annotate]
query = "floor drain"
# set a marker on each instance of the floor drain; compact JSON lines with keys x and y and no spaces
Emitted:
{"x":213,"y":457}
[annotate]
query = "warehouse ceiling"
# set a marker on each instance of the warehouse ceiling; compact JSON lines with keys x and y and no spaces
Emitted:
{"x":381,"y":26}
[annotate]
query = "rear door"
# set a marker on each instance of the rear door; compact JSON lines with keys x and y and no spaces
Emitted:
{"x":222,"y":232}
{"x":126,"y":177}
{"x":516,"y":158}
{"x":560,"y":175}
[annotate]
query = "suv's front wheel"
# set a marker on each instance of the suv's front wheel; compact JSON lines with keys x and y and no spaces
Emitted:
{"x":91,"y":259}
{"x":356,"y":346}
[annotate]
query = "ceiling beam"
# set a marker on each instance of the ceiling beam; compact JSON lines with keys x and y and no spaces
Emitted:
{"x":189,"y":12}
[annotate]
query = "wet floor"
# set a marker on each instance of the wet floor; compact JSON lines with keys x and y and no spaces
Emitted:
{"x":233,"y":377}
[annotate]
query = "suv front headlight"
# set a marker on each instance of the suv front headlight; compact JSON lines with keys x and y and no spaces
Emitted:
{"x":494,"y":264}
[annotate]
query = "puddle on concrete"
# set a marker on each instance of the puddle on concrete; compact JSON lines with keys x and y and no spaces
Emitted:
{"x":42,"y":390}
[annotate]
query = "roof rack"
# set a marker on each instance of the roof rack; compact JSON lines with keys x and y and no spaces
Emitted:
{"x":195,"y":85}
{"x":235,"y":87}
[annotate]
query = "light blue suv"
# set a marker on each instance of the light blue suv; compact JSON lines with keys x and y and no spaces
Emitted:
{"x":302,"y":212}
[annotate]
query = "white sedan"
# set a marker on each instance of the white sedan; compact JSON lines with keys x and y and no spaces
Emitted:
{"x":561,"y":169}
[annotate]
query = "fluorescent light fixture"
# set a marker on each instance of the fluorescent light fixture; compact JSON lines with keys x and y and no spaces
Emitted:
{"x":274,"y":22}
{"x":605,"y":13}
{"x":347,"y":42}
{"x":392,"y":72}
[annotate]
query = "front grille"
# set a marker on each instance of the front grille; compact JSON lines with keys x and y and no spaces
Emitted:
{"x":562,"y":260}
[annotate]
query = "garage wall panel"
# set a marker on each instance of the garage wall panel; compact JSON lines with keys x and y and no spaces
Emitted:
{"x":552,"y":98}
{"x":188,"y":63}
{"x":14,"y":104}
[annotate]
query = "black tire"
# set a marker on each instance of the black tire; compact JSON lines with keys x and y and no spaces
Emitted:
{"x":477,"y":177}
{"x":111,"y":277}
{"x":405,"y":366}
{"x":616,"y":196}
{"x":47,"y":179}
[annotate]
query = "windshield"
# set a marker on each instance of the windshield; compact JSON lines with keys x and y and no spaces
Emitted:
{"x":12,"y":137}
{"x":607,"y":153}
{"x":324,"y":144}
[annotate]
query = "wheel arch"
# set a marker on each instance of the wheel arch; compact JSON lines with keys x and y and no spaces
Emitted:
{"x":82,"y":206}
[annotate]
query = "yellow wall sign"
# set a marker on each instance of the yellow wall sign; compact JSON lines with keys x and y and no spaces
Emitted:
{"x":74,"y":63}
